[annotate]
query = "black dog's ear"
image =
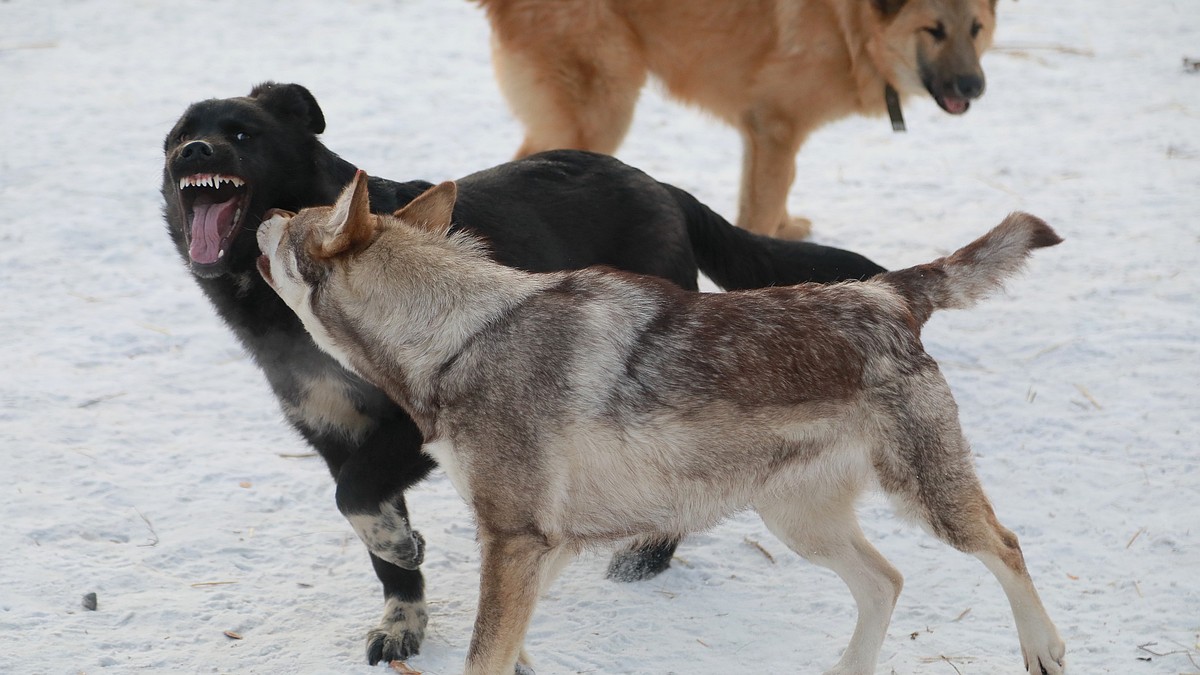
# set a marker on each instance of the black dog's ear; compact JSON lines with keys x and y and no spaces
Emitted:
{"x":290,"y":101}
{"x":889,"y":8}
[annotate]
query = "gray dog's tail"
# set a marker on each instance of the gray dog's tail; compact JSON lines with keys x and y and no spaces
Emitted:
{"x":973,"y":271}
{"x":737,"y":259}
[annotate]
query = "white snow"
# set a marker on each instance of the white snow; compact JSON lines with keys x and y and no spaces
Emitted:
{"x":143,"y":458}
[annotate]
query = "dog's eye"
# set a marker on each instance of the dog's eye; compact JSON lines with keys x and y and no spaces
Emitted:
{"x":975,"y":28}
{"x":241,"y":136}
{"x":938,"y":32}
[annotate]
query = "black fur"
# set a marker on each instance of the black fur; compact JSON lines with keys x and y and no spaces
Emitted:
{"x":556,"y":210}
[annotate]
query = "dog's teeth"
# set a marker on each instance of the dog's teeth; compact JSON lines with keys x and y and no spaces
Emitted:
{"x":221,"y":254}
{"x":214,"y":181}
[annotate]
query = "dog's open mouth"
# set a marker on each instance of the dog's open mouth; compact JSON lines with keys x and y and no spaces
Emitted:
{"x":955,"y":105}
{"x":215,"y":207}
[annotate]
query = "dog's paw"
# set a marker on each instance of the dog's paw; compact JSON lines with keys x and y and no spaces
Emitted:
{"x":640,"y":562}
{"x":846,"y":670}
{"x":523,"y":669}
{"x":794,"y":228}
{"x":398,"y":636}
{"x":389,"y":537}
{"x":407,"y":552}
{"x":1049,"y":659}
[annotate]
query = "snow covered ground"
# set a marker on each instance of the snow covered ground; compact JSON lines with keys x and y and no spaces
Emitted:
{"x":143,"y":458}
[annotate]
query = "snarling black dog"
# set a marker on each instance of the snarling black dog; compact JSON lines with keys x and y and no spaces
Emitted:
{"x":230,"y":160}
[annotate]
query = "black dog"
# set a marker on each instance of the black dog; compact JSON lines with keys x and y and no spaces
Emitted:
{"x":230,"y":160}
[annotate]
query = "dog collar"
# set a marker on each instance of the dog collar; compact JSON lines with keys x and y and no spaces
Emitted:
{"x":893,"y":105}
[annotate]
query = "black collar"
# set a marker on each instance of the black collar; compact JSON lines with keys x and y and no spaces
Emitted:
{"x":893,"y":106}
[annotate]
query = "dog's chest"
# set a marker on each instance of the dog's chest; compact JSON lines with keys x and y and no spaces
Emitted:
{"x":324,"y":402}
{"x":446,"y":455}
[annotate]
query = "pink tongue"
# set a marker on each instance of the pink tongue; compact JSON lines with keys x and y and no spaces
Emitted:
{"x":210,"y":223}
{"x":956,"y":106}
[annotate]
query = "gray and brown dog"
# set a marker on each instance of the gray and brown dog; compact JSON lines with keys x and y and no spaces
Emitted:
{"x":579,"y":408}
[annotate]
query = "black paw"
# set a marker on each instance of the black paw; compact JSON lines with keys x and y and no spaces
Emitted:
{"x":399,"y":635}
{"x":641,"y":563}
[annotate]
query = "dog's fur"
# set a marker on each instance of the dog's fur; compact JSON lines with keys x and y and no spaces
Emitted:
{"x":229,"y":160}
{"x":774,"y":69}
{"x":571,"y":409}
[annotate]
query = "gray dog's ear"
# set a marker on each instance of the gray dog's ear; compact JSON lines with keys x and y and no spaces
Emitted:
{"x":433,"y":210}
{"x":889,"y":8}
{"x":350,"y":227}
{"x":290,"y":101}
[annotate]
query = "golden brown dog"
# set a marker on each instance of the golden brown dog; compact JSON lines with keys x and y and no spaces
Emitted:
{"x":774,"y":69}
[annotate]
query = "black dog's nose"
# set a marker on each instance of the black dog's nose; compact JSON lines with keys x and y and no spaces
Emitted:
{"x":196,"y":148}
{"x":968,"y":86}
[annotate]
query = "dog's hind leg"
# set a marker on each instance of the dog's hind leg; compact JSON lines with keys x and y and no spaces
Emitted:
{"x":958,"y":513}
{"x":514,"y":569}
{"x":931,"y":478}
{"x":828,"y":534}
{"x":575,"y":85}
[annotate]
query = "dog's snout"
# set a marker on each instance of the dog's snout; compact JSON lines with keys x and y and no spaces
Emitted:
{"x":196,"y":149}
{"x":968,"y":86}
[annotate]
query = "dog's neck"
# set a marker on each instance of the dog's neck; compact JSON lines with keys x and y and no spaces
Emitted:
{"x":440,"y":294}
{"x":860,"y":27}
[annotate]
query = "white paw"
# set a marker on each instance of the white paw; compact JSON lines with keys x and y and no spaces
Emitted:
{"x":1048,"y":658}
{"x":398,"y":636}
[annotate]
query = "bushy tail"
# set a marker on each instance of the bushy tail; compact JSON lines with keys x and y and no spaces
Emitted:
{"x":737,"y":259}
{"x":972,"y":272}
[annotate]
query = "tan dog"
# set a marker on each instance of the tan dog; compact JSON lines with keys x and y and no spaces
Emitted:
{"x":774,"y":69}
{"x":580,"y":408}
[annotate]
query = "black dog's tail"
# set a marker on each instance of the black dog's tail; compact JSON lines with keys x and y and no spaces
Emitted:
{"x":966,"y":276}
{"x":737,"y":259}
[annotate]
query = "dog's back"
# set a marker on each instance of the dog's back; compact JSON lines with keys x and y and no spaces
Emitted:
{"x":658,"y":409}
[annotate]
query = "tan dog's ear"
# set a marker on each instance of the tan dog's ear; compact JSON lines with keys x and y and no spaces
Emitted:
{"x":890,"y":8}
{"x":433,"y":210}
{"x":350,"y":227}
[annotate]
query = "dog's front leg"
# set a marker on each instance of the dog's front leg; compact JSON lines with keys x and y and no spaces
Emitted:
{"x":370,"y":493}
{"x":399,"y":633}
{"x":512,"y":572}
{"x":770,"y":140}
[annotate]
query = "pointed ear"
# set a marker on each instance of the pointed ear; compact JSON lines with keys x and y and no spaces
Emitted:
{"x":350,"y":227}
{"x":433,"y":210}
{"x":888,"y":8}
